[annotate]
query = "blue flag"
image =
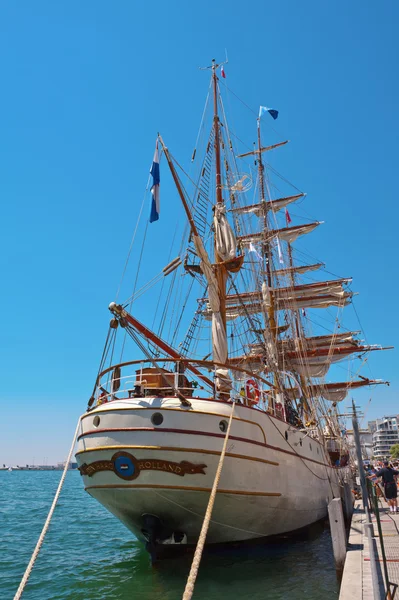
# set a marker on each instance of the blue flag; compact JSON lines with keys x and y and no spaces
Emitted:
{"x":156,"y":179}
{"x":271,"y":111}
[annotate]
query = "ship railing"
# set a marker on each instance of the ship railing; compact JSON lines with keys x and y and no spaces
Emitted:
{"x":138,"y":378}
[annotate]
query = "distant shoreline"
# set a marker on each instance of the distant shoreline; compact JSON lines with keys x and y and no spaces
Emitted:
{"x":37,"y":469}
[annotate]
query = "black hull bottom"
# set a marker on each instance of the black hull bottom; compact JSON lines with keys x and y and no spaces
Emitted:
{"x":161,"y":552}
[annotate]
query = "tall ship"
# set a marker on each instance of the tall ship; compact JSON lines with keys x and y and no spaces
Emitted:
{"x":228,"y":341}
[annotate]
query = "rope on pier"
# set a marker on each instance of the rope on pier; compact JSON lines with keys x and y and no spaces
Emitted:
{"x":188,"y":592}
{"x":47,"y":523}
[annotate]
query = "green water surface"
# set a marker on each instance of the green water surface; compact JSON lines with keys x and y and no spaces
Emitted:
{"x":88,"y":555}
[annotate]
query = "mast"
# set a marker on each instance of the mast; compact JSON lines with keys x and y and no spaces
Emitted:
{"x":299,"y":334}
{"x":224,"y":250}
{"x":219,"y":198}
{"x":298,"y":324}
{"x":271,"y":310}
{"x":220,"y":269}
{"x":266,"y":246}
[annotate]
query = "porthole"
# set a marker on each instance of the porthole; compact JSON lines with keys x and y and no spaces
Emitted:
{"x":157,"y":419}
{"x":223,"y":426}
{"x":96,"y":421}
{"x":286,"y":436}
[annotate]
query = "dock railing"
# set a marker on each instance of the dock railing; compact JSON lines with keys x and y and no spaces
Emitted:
{"x":375,"y":507}
{"x":376,"y":576}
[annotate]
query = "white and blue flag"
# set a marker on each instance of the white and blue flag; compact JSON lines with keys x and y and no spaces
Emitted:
{"x":155,"y":208}
{"x":272,"y":111}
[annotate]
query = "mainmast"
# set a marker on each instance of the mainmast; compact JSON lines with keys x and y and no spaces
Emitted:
{"x":271,"y":309}
{"x":299,"y":335}
{"x":220,"y":269}
{"x":271,"y":312}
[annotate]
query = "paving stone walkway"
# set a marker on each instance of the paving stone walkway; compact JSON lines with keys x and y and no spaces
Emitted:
{"x":356,"y":581}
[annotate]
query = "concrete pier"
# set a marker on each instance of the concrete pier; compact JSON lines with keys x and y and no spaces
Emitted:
{"x":356,"y":581}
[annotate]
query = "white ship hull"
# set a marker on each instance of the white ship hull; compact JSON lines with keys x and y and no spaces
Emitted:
{"x":275,"y":479}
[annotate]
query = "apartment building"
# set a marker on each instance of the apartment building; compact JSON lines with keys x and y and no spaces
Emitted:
{"x":385,"y":435}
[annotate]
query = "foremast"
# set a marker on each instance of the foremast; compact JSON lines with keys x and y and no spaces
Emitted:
{"x":224,"y":251}
{"x":220,"y":269}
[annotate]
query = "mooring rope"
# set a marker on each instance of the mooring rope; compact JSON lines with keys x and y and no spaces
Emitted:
{"x":188,"y":592}
{"x":36,"y":551}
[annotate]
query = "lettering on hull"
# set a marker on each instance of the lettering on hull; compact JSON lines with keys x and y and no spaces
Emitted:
{"x":128,"y":467}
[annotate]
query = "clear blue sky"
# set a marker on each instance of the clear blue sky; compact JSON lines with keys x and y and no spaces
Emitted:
{"x":85,"y":88}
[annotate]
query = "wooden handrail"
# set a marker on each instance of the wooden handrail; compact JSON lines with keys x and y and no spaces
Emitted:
{"x":200,"y":363}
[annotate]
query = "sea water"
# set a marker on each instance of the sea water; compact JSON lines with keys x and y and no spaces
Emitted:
{"x":89,"y":555}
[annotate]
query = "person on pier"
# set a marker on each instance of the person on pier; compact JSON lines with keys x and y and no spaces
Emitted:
{"x":388,"y":476}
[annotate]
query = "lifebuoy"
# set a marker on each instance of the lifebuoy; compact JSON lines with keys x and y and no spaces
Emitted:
{"x":252,"y":391}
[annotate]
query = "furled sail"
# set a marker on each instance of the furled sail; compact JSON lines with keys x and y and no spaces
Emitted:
{"x":219,"y":337}
{"x":240,"y":310}
{"x":261,"y":207}
{"x":311,"y":370}
{"x":308,"y":363}
{"x":312,"y":295}
{"x":298,"y":270}
{"x":334,"y":352}
{"x":333,"y":287}
{"x":335,"y":392}
{"x":225,"y":238}
{"x":322,"y":341}
{"x":287,"y":234}
{"x":315,"y":363}
{"x":309,"y":343}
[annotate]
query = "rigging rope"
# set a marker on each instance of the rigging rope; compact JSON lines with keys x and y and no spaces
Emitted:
{"x":202,"y":121}
{"x":135,"y":282}
{"x":188,"y":592}
{"x":36,"y":551}
{"x":133,"y":238}
{"x":163,"y":281}
{"x":102,"y":362}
